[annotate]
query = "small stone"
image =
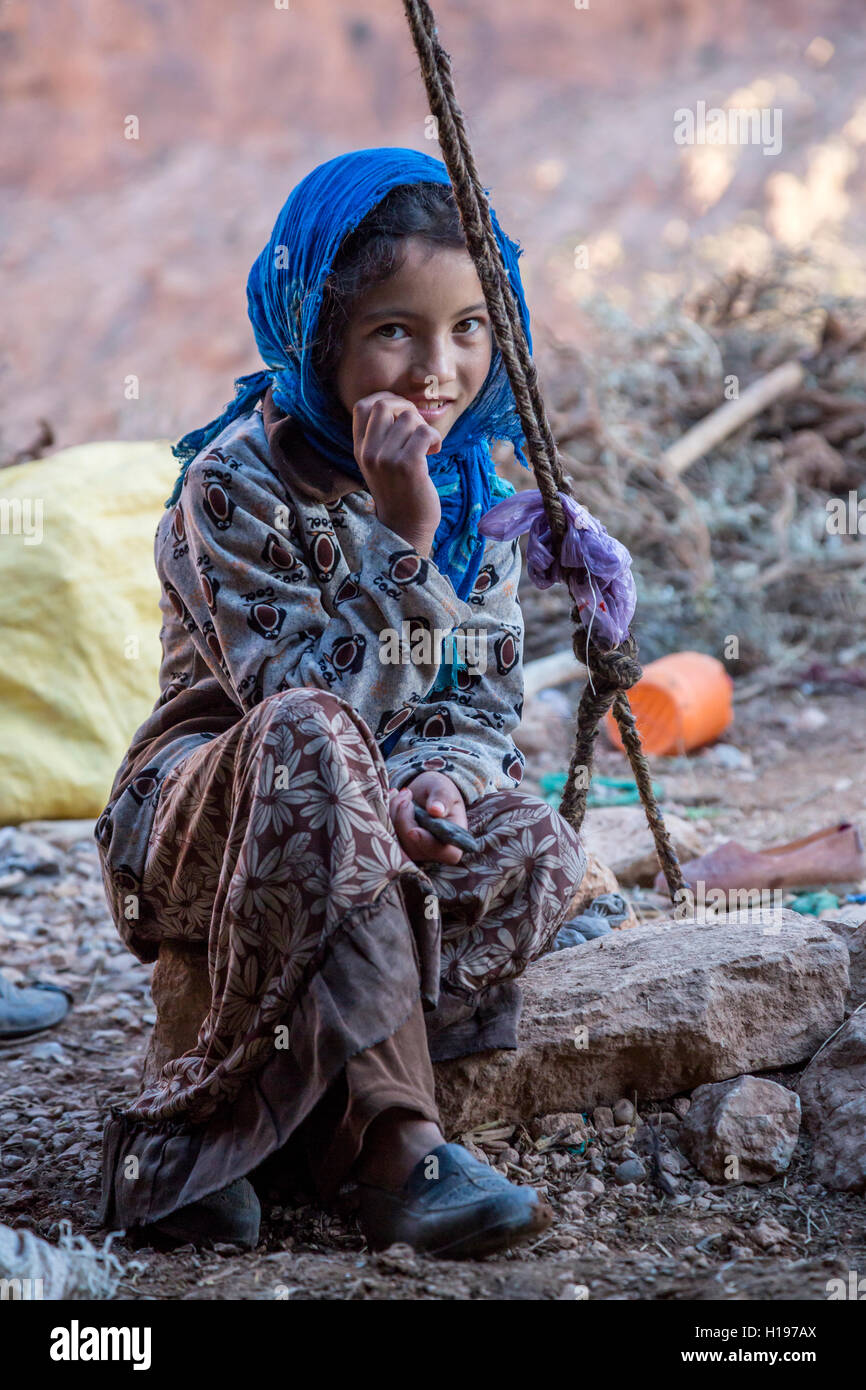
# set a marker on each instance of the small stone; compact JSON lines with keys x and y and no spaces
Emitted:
{"x":397,"y":1259}
{"x":727,"y":755}
{"x":744,"y":1129}
{"x":49,"y":1052}
{"x":602,"y":1118}
{"x":587,"y":1182}
{"x":632,"y":1170}
{"x":680,"y":1106}
{"x":623,"y":1112}
{"x":616,"y":1135}
{"x":628,"y":1189}
{"x":596,"y":1163}
{"x":570,"y":1124}
{"x":670,"y":1162}
{"x":769,"y":1233}
{"x":577,"y":1199}
{"x":618,"y":1152}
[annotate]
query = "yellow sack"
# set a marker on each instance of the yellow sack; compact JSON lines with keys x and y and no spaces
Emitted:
{"x":79,"y":621}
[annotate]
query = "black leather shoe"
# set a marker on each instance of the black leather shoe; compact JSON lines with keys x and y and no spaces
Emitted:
{"x":231,"y":1216}
{"x":453,"y":1206}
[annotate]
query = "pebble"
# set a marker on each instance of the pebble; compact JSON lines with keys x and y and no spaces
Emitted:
{"x":623,"y":1112}
{"x":596,"y":1163}
{"x":632,"y":1170}
{"x":616,"y":1135}
{"x":577,"y":1199}
{"x":727,"y":755}
{"x":587,"y":1182}
{"x":620,"y":1151}
{"x":602,"y":1118}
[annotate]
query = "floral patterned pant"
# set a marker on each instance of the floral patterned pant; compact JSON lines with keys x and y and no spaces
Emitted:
{"x":272,"y":843}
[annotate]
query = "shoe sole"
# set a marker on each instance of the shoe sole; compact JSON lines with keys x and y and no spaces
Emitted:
{"x":500,"y":1236}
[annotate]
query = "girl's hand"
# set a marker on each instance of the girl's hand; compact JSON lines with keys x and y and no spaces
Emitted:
{"x":441,"y":797}
{"x":391,"y":442}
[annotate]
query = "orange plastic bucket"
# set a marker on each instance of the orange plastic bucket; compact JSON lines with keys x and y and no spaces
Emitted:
{"x":681,"y":702}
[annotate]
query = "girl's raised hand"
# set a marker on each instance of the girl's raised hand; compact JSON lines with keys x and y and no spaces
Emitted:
{"x":441,"y":797}
{"x":391,"y":442}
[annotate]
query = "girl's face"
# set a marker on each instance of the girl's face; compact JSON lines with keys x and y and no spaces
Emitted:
{"x":424,"y":333}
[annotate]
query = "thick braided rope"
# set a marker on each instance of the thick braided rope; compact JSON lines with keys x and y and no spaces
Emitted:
{"x":611,"y":673}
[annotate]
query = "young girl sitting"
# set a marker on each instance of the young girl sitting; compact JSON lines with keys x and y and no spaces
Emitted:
{"x":321,"y":537}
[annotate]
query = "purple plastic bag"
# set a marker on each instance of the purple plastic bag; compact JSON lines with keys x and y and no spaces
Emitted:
{"x":595,"y":567}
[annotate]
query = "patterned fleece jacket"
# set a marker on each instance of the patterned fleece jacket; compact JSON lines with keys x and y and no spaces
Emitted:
{"x":276,"y":572}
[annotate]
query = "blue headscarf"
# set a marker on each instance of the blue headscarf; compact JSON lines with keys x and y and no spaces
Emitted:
{"x":284,"y":297}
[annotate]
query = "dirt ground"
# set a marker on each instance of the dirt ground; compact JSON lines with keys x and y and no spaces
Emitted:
{"x":703,"y":1243}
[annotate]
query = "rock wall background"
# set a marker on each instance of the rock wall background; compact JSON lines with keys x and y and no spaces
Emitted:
{"x":129,"y":256}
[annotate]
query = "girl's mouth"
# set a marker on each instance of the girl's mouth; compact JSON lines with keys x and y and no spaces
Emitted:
{"x":431,"y":410}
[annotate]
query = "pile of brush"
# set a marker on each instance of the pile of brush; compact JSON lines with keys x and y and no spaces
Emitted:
{"x":722,"y":444}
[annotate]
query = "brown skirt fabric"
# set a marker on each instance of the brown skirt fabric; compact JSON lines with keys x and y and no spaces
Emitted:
{"x":272,"y":843}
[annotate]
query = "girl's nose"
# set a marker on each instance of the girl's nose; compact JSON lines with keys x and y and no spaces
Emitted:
{"x":435,"y":359}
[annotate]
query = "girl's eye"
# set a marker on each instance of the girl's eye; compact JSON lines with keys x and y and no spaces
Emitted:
{"x":472,"y":320}
{"x":385,"y":326}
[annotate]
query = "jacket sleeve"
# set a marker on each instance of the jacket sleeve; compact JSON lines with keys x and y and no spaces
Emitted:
{"x":237,"y":566}
{"x":465,"y":730}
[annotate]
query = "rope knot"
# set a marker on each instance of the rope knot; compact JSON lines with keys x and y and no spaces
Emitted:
{"x":616,"y":669}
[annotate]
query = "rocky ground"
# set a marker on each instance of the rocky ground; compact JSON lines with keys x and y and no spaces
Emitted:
{"x":676,"y":1236}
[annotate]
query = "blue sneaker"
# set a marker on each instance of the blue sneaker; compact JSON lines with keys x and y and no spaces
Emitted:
{"x":453,"y":1206}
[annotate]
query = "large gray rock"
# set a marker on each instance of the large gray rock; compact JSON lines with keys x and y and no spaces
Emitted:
{"x":849,"y":922}
{"x":743,"y":1130}
{"x":659,"y":1009}
{"x":665,"y":1007}
{"x":833,"y":1095}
